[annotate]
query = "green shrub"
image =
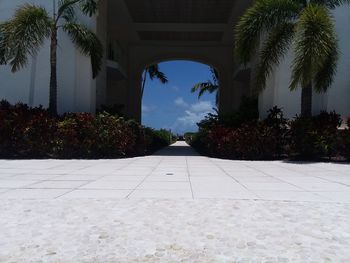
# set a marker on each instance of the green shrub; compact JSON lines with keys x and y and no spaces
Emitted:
{"x":278,"y":126}
{"x":315,"y":137}
{"x":159,"y":139}
{"x":116,"y":109}
{"x":247,"y":112}
{"x":114,"y":136}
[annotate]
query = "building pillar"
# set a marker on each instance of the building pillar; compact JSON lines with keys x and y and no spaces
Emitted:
{"x":230,"y":93}
{"x":134,"y":101}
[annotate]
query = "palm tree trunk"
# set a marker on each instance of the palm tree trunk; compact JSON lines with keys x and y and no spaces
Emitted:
{"x":306,"y":101}
{"x":53,"y":77}
{"x":143,"y":83}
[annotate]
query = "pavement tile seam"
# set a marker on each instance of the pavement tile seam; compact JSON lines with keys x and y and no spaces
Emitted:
{"x":155,"y":167}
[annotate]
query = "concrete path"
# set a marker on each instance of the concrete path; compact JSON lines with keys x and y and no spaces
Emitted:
{"x":174,"y":206}
{"x":175,"y":172}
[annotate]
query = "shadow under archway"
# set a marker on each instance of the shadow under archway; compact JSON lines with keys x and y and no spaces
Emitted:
{"x":177,"y":149}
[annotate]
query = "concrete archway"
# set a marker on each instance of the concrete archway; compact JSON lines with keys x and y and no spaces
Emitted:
{"x":146,"y":32}
{"x":230,"y":93}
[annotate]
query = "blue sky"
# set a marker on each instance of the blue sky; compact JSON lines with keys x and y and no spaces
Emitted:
{"x":173,"y":106}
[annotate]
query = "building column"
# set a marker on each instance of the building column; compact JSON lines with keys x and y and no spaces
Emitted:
{"x":134,"y":101}
{"x":230,"y":93}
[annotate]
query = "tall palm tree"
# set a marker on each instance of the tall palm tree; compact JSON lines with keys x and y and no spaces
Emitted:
{"x":31,"y":25}
{"x":153,"y":72}
{"x":273,"y":26}
{"x":210,"y":86}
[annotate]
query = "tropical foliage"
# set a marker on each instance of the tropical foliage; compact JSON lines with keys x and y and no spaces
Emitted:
{"x":272,"y":27}
{"x":153,"y":72}
{"x":24,"y":35}
{"x":210,"y":86}
{"x":275,"y":137}
{"x":33,"y":133}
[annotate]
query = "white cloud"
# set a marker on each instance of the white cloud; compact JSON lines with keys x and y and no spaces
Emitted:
{"x":147,"y":109}
{"x":191,"y":118}
{"x":180,"y":102}
{"x":194,"y":114}
{"x":202,"y":106}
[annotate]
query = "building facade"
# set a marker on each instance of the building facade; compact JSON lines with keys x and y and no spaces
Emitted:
{"x":138,"y":33}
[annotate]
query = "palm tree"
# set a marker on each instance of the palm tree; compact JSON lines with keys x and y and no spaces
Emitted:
{"x":210,"y":86}
{"x":31,"y":25}
{"x":307,"y":26}
{"x":153,"y":72}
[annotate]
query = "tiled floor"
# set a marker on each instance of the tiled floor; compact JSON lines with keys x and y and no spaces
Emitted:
{"x":174,"y":206}
{"x":175,"y":172}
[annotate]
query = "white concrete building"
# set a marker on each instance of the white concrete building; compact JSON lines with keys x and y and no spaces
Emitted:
{"x":137,"y":33}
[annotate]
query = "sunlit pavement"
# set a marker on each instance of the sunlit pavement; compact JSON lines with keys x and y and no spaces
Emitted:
{"x":173,"y":206}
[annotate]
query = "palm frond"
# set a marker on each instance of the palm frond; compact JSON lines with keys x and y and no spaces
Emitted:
{"x":331,"y":3}
{"x":155,"y":73}
{"x":89,"y":7}
{"x":274,"y":49}
{"x":264,"y":15}
{"x":161,"y":77}
{"x":151,"y":70}
{"x":88,"y":43}
{"x":315,"y":43}
{"x":66,"y":10}
{"x":214,"y":75}
{"x":324,"y":78}
{"x":24,"y":34}
{"x":204,"y":87}
{"x":4,"y":47}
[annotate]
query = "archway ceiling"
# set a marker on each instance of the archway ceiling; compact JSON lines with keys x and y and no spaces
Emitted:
{"x":180,"y":11}
{"x":177,"y":21}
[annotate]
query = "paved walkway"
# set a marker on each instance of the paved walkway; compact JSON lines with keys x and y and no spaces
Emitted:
{"x":175,"y":172}
{"x":174,"y":206}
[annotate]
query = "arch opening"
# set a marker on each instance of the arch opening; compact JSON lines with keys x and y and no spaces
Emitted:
{"x":175,"y":105}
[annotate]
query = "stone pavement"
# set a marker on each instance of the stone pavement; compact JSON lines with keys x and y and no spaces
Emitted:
{"x":174,"y":206}
{"x":176,"y":172}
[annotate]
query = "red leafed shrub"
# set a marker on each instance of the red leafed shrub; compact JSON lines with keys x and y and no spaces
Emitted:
{"x":220,"y":142}
{"x":39,"y":135}
{"x":75,"y":135}
{"x":343,"y":145}
{"x":252,"y":141}
{"x":114,"y":136}
{"x":24,"y":131}
{"x":83,"y":135}
{"x":31,"y":133}
{"x":275,"y":137}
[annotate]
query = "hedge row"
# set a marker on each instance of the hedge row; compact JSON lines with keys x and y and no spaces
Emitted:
{"x":32,"y":133}
{"x":275,"y":137}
